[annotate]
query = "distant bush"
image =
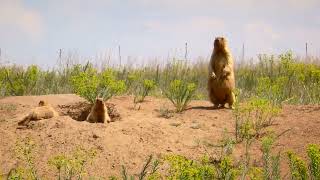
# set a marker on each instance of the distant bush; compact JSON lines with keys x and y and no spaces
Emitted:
{"x":17,"y":81}
{"x":281,"y":79}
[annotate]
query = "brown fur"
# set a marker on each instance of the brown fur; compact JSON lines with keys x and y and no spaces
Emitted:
{"x":43,"y":111}
{"x":42,"y":103}
{"x":99,"y":112}
{"x":221,"y":81}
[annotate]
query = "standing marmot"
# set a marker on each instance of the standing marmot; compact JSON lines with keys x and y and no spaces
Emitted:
{"x":43,"y":111}
{"x":221,"y":82}
{"x":99,"y":112}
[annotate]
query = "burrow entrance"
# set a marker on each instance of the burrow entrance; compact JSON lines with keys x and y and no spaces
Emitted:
{"x":80,"y":110}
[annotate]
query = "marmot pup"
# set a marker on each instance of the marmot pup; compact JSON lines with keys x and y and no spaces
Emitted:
{"x":99,"y":112}
{"x":221,"y":81}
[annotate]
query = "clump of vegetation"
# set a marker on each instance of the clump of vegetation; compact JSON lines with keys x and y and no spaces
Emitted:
{"x":25,"y":151}
{"x":89,"y":84}
{"x":183,"y":168}
{"x":85,"y":84}
{"x":226,"y":145}
{"x":253,"y":116}
{"x":73,"y":165}
{"x":180,"y":94}
{"x":298,"y":167}
{"x":8,"y":107}
{"x":313,"y":151}
{"x":143,"y":90}
{"x":226,"y":169}
{"x":149,"y":171}
{"x":271,"y":163}
{"x":165,"y":112}
{"x":280,"y":79}
{"x":19,"y":81}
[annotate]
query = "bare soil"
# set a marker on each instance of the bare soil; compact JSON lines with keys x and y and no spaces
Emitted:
{"x":140,"y":132}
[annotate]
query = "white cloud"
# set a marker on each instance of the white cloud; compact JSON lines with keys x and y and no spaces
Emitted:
{"x":14,"y":14}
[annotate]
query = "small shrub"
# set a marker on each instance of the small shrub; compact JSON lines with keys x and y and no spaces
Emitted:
{"x":253,"y":116}
{"x":298,"y":167}
{"x":18,"y":81}
{"x":180,"y":94}
{"x":150,"y":165}
{"x":89,"y":84}
{"x":271,"y":163}
{"x":17,"y":174}
{"x":109,"y":85}
{"x":73,"y":165}
{"x":256,"y":173}
{"x":143,"y":90}
{"x":183,"y":168}
{"x":226,"y":144}
{"x":226,"y":170}
{"x":165,"y":112}
{"x":85,"y":84}
{"x":313,"y":151}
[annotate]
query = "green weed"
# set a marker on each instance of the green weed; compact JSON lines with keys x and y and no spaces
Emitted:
{"x":180,"y":94}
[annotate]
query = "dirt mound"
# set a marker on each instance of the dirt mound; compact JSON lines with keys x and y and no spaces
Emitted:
{"x":140,"y":132}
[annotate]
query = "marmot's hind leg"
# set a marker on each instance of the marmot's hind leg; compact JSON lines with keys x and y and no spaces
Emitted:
{"x":213,"y":100}
{"x":25,"y":120}
{"x":231,"y":100}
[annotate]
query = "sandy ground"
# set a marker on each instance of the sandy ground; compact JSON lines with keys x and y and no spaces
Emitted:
{"x":141,"y":132}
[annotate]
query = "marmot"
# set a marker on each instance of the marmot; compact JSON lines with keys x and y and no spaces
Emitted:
{"x":221,"y":81}
{"x":43,"y":111}
{"x":99,"y":112}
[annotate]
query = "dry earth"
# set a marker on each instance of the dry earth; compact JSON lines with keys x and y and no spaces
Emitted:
{"x":140,"y":133}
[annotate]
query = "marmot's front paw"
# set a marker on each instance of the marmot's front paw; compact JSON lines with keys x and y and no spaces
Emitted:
{"x":213,"y":75}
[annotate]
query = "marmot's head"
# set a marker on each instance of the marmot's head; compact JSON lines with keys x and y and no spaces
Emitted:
{"x":99,"y":102}
{"x":220,"y":44}
{"x":42,"y":103}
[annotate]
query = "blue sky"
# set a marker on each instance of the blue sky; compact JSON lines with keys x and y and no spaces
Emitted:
{"x":32,"y":31}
